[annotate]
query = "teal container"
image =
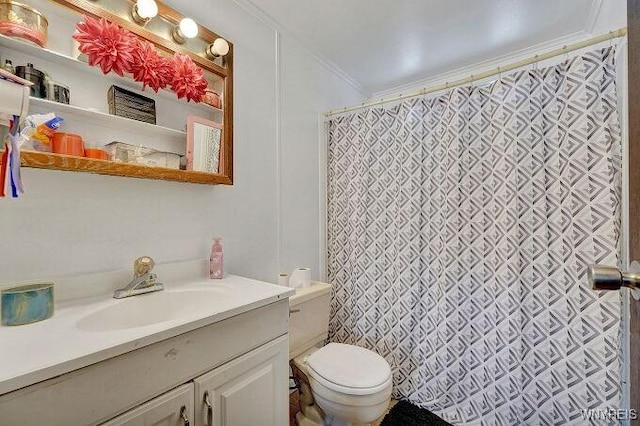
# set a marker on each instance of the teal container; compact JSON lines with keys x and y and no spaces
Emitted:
{"x":26,"y":304}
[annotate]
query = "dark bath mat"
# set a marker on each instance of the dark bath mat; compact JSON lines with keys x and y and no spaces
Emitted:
{"x":406,"y":414}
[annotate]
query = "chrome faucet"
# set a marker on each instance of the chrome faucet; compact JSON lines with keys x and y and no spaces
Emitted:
{"x":144,"y":281}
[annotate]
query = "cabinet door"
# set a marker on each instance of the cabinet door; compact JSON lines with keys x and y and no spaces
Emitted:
{"x":247,"y":391}
{"x":174,"y":408}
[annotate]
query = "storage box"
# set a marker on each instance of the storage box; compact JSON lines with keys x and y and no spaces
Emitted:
{"x":125,"y":103}
{"x":127,"y":153}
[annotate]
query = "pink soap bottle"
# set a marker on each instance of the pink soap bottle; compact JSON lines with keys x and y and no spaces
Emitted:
{"x":215,"y":261}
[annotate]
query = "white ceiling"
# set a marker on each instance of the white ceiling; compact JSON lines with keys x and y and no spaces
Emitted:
{"x":382,"y":44}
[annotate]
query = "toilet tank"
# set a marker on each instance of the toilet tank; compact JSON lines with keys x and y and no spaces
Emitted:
{"x":309,"y":317}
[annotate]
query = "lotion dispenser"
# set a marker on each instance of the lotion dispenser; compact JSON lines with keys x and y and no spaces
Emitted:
{"x":215,"y":261}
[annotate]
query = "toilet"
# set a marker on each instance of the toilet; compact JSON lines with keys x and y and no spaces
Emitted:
{"x":339,"y":384}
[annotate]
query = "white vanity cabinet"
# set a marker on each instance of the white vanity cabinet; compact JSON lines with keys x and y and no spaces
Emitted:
{"x":244,"y":391}
{"x":247,"y":390}
{"x":241,"y":362}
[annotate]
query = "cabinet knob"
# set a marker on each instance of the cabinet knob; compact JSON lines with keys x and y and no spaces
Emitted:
{"x":207,"y":402}
{"x":183,"y":414}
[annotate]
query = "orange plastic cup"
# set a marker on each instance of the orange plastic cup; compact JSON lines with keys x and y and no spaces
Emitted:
{"x":68,"y":143}
{"x":97,"y":153}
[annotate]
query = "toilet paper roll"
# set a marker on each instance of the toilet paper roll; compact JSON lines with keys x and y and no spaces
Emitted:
{"x":300,"y":278}
{"x":283,"y":279}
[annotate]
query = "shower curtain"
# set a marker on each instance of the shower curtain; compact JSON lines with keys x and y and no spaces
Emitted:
{"x":460,"y":227}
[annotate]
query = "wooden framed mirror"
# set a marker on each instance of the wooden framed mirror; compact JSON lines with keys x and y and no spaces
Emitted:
{"x":87,"y":113}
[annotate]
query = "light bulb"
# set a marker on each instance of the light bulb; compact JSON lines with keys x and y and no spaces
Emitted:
{"x":147,"y":9}
{"x":188,"y":28}
{"x":220,"y":47}
{"x":143,"y":11}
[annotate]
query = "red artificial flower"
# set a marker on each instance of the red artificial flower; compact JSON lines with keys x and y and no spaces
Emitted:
{"x":106,"y":44}
{"x":150,"y":67}
{"x":188,"y":79}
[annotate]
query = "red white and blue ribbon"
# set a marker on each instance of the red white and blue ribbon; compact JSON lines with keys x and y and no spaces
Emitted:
{"x":10,"y":180}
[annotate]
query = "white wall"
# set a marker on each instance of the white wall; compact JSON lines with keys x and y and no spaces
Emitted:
{"x":611,"y":16}
{"x":71,"y":223}
{"x":306,"y":90}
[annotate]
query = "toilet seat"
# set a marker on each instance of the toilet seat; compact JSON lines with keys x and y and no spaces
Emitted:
{"x":350,"y":369}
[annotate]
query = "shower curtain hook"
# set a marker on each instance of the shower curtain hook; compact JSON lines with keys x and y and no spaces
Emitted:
{"x":611,"y":37}
{"x":535,"y":63}
{"x":566,"y":53}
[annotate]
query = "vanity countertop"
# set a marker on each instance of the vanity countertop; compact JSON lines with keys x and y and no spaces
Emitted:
{"x":85,"y":331}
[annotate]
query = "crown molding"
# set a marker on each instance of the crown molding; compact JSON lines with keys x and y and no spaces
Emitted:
{"x":264,"y":17}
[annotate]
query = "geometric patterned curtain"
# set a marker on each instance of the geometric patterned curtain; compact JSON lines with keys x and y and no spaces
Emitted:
{"x":460,"y":228}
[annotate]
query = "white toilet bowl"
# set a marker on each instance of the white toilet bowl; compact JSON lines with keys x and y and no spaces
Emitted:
{"x":338,"y":384}
{"x":349,"y":383}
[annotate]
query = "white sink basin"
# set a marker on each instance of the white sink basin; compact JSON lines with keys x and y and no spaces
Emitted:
{"x":153,"y":308}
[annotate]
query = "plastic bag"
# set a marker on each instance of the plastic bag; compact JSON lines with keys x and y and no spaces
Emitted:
{"x":38,"y":131}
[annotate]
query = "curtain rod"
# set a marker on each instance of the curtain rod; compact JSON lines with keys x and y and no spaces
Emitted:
{"x":537,"y":58}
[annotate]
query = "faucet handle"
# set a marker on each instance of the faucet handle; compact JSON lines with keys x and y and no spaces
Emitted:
{"x":143,"y":265}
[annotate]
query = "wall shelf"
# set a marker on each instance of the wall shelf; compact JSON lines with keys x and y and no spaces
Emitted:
{"x":104,"y":119}
{"x":175,"y":138}
{"x":62,"y":59}
{"x":44,"y":160}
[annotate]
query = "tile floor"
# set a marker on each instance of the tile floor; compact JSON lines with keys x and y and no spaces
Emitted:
{"x":294,"y":407}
